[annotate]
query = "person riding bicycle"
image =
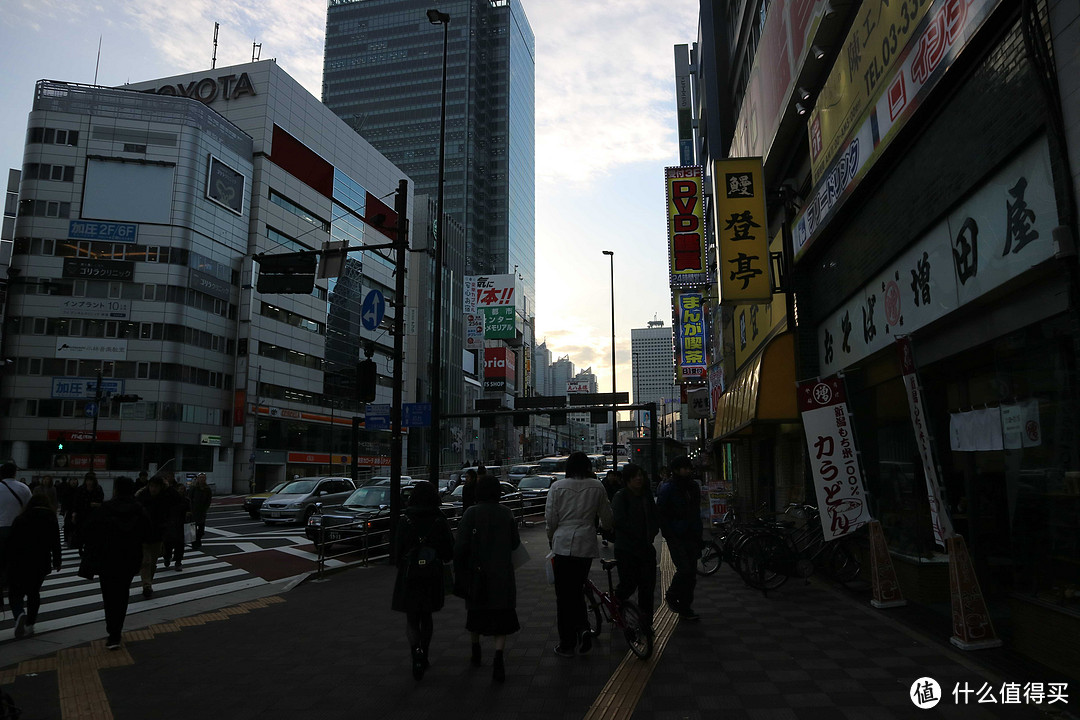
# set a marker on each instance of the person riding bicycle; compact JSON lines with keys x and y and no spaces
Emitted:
{"x":679,"y":506}
{"x":636,"y":525}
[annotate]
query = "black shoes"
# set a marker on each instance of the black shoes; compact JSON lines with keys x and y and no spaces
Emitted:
{"x":564,"y":652}
{"x":585,"y":641}
{"x":113,"y":643}
{"x":498,"y":670}
{"x":419,"y":660}
{"x":147,"y":592}
{"x":689,"y":614}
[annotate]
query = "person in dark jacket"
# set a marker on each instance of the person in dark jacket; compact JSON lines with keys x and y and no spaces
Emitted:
{"x":158,"y":502}
{"x":468,"y":490}
{"x":484,"y":571}
{"x":88,"y":497}
{"x":201,"y":496}
{"x":32,"y":548}
{"x":172,"y":537}
{"x":636,"y":524}
{"x":67,"y":507}
{"x":679,"y":506}
{"x":419,"y":598}
{"x":115,"y":537}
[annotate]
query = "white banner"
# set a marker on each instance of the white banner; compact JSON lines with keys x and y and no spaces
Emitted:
{"x":838,"y":478}
{"x":91,"y":349}
{"x":474,"y":331}
{"x":939,"y":517}
{"x":483,"y":291}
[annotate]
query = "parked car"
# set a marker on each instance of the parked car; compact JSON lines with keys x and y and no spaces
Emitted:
{"x":366,"y":503}
{"x":535,"y":486}
{"x":252,"y":503}
{"x":517,"y":472}
{"x":296,"y":501}
{"x":451,"y":503}
{"x":384,"y":480}
{"x":552,"y":464}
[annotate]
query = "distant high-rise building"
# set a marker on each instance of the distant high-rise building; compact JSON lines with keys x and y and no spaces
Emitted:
{"x":653,"y":363}
{"x":541,"y":361}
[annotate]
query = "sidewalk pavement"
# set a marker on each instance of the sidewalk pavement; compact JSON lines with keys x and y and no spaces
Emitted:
{"x":332,"y":648}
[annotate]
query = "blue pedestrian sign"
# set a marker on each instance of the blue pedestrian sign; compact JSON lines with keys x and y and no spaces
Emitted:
{"x":90,"y":410}
{"x":377,"y":417}
{"x":416,"y":414}
{"x":372,"y":310}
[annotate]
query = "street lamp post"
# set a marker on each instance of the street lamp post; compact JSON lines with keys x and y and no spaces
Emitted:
{"x":614,"y":413}
{"x":438,"y":18}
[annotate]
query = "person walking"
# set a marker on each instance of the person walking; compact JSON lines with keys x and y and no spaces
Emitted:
{"x":88,"y":497}
{"x":67,"y":507}
{"x":116,"y":534}
{"x":573,"y":506}
{"x":32,"y":549}
{"x":201,"y":497}
{"x":484,"y":571}
{"x":468,"y":490}
{"x":636,"y":524}
{"x":423,"y":536}
{"x":172,"y":535}
{"x":158,"y":501}
{"x":678,"y":504}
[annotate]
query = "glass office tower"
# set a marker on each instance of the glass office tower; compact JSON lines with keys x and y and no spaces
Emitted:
{"x":382,"y":75}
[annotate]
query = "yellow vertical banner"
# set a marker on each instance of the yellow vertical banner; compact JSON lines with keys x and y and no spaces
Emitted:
{"x":742,"y":241}
{"x":686,"y":225}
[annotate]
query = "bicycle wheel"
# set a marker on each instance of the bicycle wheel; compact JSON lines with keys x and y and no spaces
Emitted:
{"x":637,"y":636}
{"x":761,"y":555}
{"x":709,"y":562}
{"x":842,"y":565}
{"x":593,"y":614}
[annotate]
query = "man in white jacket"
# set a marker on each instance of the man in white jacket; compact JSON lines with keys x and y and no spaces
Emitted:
{"x":573,"y":505}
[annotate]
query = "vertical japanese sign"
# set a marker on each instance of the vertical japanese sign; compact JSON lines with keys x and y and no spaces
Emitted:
{"x":742,"y":232}
{"x":833,"y":457}
{"x":686,"y":225}
{"x":691,"y":337}
{"x":939,"y":517}
{"x":474,"y":331}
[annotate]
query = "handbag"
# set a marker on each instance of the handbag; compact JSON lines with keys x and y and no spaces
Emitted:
{"x":519,"y":555}
{"x":189,"y":533}
{"x":549,"y":567}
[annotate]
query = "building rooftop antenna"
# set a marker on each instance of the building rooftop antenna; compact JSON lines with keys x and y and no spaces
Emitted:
{"x":256,"y":50}
{"x":97,"y":65}
{"x":213,"y":59}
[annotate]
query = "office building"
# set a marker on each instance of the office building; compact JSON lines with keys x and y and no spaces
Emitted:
{"x":653,"y":372}
{"x":142,"y":211}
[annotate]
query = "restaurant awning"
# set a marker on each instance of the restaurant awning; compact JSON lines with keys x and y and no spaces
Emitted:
{"x":763,"y":391}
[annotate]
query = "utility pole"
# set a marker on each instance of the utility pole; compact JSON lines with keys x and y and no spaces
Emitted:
{"x":401,"y":248}
{"x":97,"y":412}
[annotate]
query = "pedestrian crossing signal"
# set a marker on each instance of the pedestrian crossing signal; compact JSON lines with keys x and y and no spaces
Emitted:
{"x":60,"y":445}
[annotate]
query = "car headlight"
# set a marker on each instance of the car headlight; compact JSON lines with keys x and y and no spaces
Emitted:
{"x":315,"y":520}
{"x":294,"y":506}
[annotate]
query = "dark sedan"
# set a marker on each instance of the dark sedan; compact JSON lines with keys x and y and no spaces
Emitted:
{"x":365,"y":512}
{"x":510,"y":496}
{"x":535,"y":486}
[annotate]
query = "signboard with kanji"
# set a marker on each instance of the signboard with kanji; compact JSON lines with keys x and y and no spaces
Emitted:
{"x":691,"y":336}
{"x":742,"y":239}
{"x":500,"y":323}
{"x":834,"y":459}
{"x":483,"y":291}
{"x":686,"y":225}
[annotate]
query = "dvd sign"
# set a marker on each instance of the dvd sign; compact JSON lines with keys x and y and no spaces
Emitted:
{"x":498,"y":369}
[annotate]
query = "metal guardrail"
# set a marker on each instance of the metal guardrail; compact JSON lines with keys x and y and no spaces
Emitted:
{"x":372,"y":534}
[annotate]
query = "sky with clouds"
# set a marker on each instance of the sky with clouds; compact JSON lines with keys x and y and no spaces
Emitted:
{"x":605,"y":126}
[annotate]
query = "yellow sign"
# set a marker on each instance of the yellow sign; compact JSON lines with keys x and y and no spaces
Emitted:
{"x":742,"y":242}
{"x":752,"y":325}
{"x":872,"y":48}
{"x":686,"y":225}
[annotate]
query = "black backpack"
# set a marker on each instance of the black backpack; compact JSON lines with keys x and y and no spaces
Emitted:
{"x":423,"y":568}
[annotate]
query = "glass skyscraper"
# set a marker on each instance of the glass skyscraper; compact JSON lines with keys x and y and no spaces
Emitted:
{"x":382,"y":75}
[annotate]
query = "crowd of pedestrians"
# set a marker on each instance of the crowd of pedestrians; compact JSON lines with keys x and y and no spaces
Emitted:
{"x":117,"y":539}
{"x":486,"y":549}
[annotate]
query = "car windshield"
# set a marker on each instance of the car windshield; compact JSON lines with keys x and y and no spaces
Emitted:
{"x":456,"y":494}
{"x":369,"y":496}
{"x":533,"y":482}
{"x":299,"y":487}
{"x":521,"y":469}
{"x":553,"y":464}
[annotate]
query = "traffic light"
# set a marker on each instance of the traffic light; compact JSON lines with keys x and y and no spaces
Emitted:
{"x":60,"y":445}
{"x":366,"y":379}
{"x":289,"y":273}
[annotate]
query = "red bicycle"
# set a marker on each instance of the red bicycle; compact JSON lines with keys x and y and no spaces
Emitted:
{"x":623,"y":614}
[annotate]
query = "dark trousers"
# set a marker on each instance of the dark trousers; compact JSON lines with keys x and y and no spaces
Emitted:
{"x":684,"y":555}
{"x":200,"y":528}
{"x":419,"y":627}
{"x":174,"y":551}
{"x":115,"y":590}
{"x":30,"y":589}
{"x":570,"y":610}
{"x":637,"y":572}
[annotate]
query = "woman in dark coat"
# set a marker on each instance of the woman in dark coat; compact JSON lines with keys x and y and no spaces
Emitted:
{"x":88,"y":497}
{"x":173,"y":532}
{"x":33,"y":548}
{"x":468,"y":490}
{"x":636,"y":524}
{"x":419,"y":597}
{"x":484,"y":571}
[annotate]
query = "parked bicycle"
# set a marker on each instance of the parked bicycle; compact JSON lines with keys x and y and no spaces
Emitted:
{"x":784,"y":550}
{"x":623,"y":614}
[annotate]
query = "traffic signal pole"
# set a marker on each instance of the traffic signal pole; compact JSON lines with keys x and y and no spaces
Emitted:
{"x":401,"y":246}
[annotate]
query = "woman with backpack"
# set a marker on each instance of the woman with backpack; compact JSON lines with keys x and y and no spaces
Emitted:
{"x":424,"y":543}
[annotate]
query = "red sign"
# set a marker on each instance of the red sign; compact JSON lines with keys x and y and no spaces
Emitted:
{"x":498,"y":368}
{"x":239,"y":401}
{"x":84,"y":435}
{"x":78,"y":462}
{"x":318,"y":458}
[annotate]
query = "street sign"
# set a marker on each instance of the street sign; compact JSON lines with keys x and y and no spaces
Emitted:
{"x":416,"y":414}
{"x":372,"y":309}
{"x":377,"y":417}
{"x":91,"y":409}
